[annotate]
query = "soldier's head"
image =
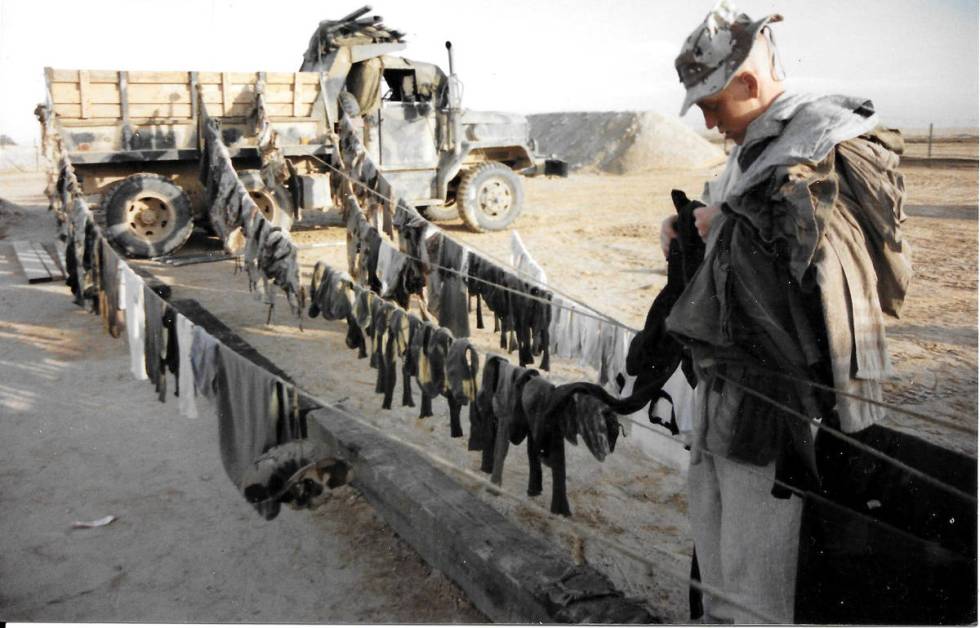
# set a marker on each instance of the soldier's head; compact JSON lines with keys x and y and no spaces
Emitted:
{"x":730,"y":69}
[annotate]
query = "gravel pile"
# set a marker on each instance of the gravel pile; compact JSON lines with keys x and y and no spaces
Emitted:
{"x":624,"y":142}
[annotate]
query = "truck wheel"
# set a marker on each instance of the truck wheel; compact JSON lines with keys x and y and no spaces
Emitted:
{"x":439,"y":212}
{"x":148,"y":215}
{"x":489,"y":197}
{"x":276,"y":204}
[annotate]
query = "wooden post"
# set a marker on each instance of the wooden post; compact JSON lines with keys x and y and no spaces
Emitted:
{"x":226,"y":99}
{"x":929,"y":154}
{"x":297,"y":95}
{"x":83,"y":92}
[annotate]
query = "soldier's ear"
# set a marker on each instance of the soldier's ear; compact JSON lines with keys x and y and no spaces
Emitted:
{"x":749,"y":83}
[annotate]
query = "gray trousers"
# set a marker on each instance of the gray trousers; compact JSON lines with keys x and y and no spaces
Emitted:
{"x":747,"y":541}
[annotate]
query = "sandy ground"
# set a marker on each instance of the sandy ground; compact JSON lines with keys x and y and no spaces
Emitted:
{"x":81,"y":439}
{"x":596,"y":236}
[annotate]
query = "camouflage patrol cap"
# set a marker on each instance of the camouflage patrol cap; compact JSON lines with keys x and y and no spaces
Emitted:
{"x":715,"y":50}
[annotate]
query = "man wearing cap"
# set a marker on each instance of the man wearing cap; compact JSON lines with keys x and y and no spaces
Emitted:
{"x":804,"y":254}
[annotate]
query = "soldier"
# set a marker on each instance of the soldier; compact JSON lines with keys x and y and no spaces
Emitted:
{"x":803,"y":255}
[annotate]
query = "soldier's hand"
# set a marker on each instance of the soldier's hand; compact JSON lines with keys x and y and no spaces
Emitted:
{"x":703,"y":217}
{"x":668,"y":231}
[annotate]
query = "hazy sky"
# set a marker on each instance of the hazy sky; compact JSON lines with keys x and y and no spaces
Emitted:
{"x":917,"y":60}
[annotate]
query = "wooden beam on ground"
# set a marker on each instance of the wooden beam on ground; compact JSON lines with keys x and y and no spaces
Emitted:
{"x":510,"y":575}
{"x":35,"y":267}
{"x":54,"y":268}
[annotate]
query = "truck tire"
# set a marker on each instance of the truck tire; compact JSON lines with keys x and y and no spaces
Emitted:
{"x":439,"y":212}
{"x":148,"y":215}
{"x":275,"y":203}
{"x":490,"y":197}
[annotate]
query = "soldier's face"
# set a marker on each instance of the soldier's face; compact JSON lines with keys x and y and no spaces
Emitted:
{"x":732,"y":109}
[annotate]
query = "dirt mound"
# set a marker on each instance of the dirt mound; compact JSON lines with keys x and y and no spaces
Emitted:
{"x":621,"y":142}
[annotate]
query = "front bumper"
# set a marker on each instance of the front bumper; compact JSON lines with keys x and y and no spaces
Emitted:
{"x":548,"y":167}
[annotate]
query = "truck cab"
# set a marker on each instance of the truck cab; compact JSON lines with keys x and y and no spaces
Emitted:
{"x":443,"y":159}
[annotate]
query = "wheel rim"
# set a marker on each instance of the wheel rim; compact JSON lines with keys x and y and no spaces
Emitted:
{"x":265,"y":203}
{"x":494,"y":197}
{"x":151,"y":218}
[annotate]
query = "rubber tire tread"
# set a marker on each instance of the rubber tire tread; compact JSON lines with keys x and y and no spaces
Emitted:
{"x":130,"y":187}
{"x":253,"y":182}
{"x":473,"y":178}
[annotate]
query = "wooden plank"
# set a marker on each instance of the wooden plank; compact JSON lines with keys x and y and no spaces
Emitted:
{"x":95,"y":76}
{"x":159,"y":93}
{"x":297,"y":94}
{"x":171,"y":111}
{"x":52,"y":266}
{"x":59,"y":249}
{"x":510,"y":575}
{"x":83,"y":93}
{"x":275,"y":110}
{"x":95,"y":111}
{"x":226,"y":98}
{"x":287,"y":78}
{"x":33,"y":266}
{"x":245,"y":94}
{"x":98,"y":93}
{"x":124,"y":105}
{"x":158,"y":77}
{"x":110,"y":76}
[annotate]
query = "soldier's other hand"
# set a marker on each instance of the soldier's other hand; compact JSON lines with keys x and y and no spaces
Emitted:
{"x":668,"y":231}
{"x":703,"y":217}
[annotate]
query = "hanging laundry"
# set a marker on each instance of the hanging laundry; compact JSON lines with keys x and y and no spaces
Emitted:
{"x":452,"y":309}
{"x":186,"y":402}
{"x":204,"y":363}
{"x":171,"y":353}
{"x":510,"y":421}
{"x":154,"y":341}
{"x":391,"y":265}
{"x":410,"y":360}
{"x":109,"y":282}
{"x":482,"y":422}
{"x":331,"y":293}
{"x":135,"y":323}
{"x":520,"y":258}
{"x":396,"y":347}
{"x":247,"y":411}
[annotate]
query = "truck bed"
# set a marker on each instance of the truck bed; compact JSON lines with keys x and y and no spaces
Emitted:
{"x":117,"y":116}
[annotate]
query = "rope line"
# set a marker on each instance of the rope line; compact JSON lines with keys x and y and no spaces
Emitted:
{"x":488,"y":255}
{"x":753,"y":470}
{"x":878,"y":454}
{"x":923,"y":417}
{"x":584,"y":531}
{"x":856,"y":443}
{"x":604,"y":318}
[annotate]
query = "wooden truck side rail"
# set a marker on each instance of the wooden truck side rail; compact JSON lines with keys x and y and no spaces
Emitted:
{"x":108,"y":116}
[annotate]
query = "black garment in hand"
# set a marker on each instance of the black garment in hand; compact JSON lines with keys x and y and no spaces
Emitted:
{"x":654,"y":354}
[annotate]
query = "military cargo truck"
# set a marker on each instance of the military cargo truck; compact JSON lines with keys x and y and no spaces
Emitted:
{"x":135,"y":141}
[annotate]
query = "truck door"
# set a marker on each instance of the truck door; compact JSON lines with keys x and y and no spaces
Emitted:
{"x":408,"y":136}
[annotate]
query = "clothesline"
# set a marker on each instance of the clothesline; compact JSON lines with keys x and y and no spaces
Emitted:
{"x":558,"y":304}
{"x":879,"y":454}
{"x":587,"y":532}
{"x":582,"y":529}
{"x":488,"y":255}
{"x":562,"y":305}
{"x":952,"y":490}
{"x":753,"y":470}
{"x":609,"y":320}
{"x":924,"y":417}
